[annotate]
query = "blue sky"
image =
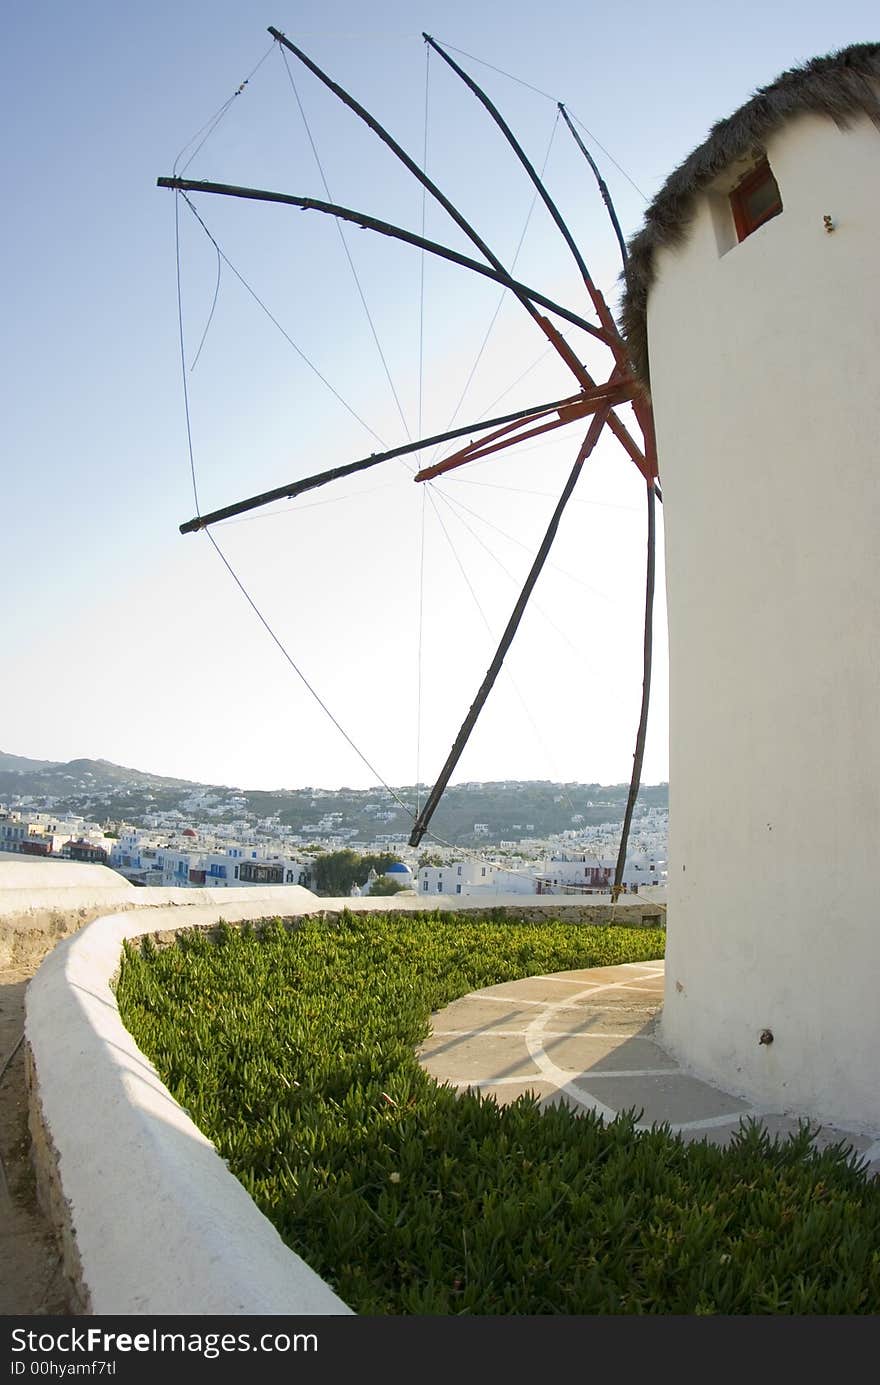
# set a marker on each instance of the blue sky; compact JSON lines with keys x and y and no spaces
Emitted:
{"x":126,"y":640}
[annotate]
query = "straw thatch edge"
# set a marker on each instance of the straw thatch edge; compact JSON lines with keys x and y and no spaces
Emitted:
{"x":841,"y":85}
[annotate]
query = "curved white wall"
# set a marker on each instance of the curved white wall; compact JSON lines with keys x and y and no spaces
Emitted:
{"x":151,"y":1219}
{"x":764,"y":364}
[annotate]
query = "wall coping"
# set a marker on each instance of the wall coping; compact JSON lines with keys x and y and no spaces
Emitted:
{"x":155,"y":1222}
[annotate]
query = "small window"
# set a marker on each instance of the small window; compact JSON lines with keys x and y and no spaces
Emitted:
{"x":755,"y":200}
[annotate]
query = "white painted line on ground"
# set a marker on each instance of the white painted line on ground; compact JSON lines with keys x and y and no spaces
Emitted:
{"x":499,"y":999}
{"x":628,"y":986}
{"x":561,"y":1079}
{"x":564,"y":980}
{"x":536,"y":1032}
{"x":590,"y":1034}
{"x":710,"y":1122}
{"x":476,"y":1034}
{"x":520,"y":1033}
{"x":540,"y":1004}
{"x":465,"y":1082}
{"x":590,"y":1073}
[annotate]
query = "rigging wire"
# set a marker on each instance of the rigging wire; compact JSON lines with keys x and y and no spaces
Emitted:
{"x":459,"y":563}
{"x":345,"y":246}
{"x":618,"y":166}
{"x":603,"y":186}
{"x":459,"y":480}
{"x":495,"y":271}
{"x":233,"y":574}
{"x":459,"y":505}
{"x":527,"y":298}
{"x":287,"y":337}
{"x":599,"y":305}
{"x":189,"y":441}
{"x":644,"y":418}
{"x":501,"y":72}
{"x":510,"y":678}
{"x":210,"y":314}
{"x":309,"y":505}
{"x":538,"y":444}
{"x":322,"y":478}
{"x":528,"y":370}
{"x":211,"y":125}
{"x":503,"y":295}
{"x":407,"y":808}
{"x":485,"y":619}
{"x":509,"y":575}
{"x":485,"y":689}
{"x":299,"y":673}
{"x":471,"y":852}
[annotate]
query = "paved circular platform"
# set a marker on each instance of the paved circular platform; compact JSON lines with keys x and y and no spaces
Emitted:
{"x":588,"y":1038}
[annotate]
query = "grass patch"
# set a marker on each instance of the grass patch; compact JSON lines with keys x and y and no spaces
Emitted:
{"x":294,"y":1053}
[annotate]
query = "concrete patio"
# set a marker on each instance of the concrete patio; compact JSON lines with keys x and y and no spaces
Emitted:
{"x":588,"y":1038}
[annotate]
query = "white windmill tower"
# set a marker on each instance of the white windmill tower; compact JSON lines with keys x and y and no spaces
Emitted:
{"x":754,"y":302}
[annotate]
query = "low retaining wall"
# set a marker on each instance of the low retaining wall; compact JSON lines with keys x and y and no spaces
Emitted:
{"x":629,"y":913}
{"x":42,"y":902}
{"x":150,"y":1219}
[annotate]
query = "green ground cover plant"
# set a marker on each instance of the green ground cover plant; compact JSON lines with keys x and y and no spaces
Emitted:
{"x":293,"y":1050}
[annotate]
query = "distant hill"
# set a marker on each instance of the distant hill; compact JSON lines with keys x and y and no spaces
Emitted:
{"x":473,"y":813}
{"x":107,"y":773}
{"x":21,"y":763}
{"x":20,"y":775}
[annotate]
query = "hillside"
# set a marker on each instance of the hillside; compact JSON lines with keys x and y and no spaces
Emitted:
{"x":468,"y":813}
{"x":20,"y":775}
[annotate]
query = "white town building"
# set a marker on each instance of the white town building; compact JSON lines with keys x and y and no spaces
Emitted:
{"x":457,"y":877}
{"x":194,"y":860}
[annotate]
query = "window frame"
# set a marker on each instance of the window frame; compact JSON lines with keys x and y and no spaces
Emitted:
{"x":744,"y":223}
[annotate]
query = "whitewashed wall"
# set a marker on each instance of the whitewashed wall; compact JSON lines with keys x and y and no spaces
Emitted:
{"x":765,"y":361}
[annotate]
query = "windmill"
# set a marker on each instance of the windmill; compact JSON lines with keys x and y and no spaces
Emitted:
{"x":592,"y":403}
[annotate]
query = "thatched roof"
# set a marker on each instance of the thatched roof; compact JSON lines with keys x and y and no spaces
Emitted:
{"x":841,"y":85}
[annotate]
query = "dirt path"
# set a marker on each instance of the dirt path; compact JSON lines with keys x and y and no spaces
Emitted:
{"x":31,"y":1280}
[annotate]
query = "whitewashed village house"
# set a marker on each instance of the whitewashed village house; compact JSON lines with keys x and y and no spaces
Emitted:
{"x":475,"y":877}
{"x":33,"y":833}
{"x":580,"y":873}
{"x":753,"y":312}
{"x":186,"y":861}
